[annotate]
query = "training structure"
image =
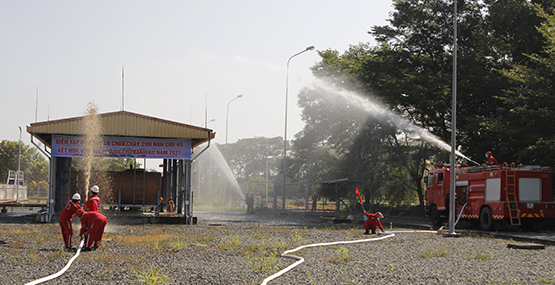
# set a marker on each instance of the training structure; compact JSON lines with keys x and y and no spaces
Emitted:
{"x":124,"y":135}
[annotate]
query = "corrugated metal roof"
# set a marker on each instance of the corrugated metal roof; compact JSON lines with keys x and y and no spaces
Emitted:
{"x":122,"y":123}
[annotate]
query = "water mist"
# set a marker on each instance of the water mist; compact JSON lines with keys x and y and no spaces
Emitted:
{"x":92,"y":129}
{"x":381,"y":113}
{"x":218,"y":185}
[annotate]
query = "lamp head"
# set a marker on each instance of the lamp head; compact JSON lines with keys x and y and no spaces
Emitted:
{"x":240,"y":95}
{"x":310,"y":48}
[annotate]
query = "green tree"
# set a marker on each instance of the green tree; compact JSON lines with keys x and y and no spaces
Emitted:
{"x":367,"y":158}
{"x":529,"y":118}
{"x":249,"y":157}
{"x":33,"y":164}
{"x":258,"y":185}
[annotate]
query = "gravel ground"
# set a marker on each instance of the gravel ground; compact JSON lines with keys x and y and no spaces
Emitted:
{"x":236,"y":248}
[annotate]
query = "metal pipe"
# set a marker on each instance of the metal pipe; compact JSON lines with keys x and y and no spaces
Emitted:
{"x":203,"y":150}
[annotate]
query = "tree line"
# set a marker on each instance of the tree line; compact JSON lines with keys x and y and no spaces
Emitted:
{"x":505,"y":97}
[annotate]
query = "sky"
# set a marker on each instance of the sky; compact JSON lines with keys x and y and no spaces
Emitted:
{"x":184,"y":61}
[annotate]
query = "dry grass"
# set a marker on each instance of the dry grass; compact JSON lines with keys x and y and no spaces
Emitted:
{"x":132,"y":240}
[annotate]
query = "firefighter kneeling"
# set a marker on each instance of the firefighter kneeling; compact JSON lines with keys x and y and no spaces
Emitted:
{"x":373,"y":222}
{"x":92,"y":228}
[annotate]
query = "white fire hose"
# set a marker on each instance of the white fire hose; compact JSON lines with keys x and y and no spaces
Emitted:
{"x":63,"y":269}
{"x":300,"y":260}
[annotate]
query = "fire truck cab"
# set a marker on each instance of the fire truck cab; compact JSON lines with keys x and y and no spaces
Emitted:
{"x":488,"y":195}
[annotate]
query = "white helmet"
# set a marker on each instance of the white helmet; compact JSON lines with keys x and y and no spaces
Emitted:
{"x":95,"y":189}
{"x":76,"y":197}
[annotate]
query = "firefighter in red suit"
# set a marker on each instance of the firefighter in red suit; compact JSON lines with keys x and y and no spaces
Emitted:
{"x":314,"y":202}
{"x":170,"y":205}
{"x":66,"y":217}
{"x":93,"y":203}
{"x":373,"y":222}
{"x":92,"y":228}
{"x":490,"y":160}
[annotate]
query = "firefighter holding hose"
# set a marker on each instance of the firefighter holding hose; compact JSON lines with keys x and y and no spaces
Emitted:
{"x":373,"y":222}
{"x":66,"y":217}
{"x":92,"y":228}
{"x":490,"y":160}
{"x":93,"y":203}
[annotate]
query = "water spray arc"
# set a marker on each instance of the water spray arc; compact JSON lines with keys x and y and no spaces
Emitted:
{"x":92,"y":128}
{"x":224,"y":167}
{"x":381,"y":113}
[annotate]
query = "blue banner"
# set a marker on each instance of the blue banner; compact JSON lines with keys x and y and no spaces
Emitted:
{"x":123,"y":147}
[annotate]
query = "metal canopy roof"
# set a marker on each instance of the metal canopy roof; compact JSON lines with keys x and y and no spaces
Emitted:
{"x":122,"y":123}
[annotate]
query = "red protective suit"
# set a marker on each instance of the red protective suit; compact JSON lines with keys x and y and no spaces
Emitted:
{"x":491,"y":161}
{"x":93,"y":224}
{"x":314,"y":202}
{"x":65,"y":221}
{"x":93,"y":204}
{"x":373,"y":222}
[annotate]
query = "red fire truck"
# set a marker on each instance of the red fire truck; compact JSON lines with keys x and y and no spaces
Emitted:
{"x":488,"y":195}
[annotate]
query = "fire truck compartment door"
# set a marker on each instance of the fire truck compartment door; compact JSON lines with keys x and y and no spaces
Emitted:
{"x":493,"y":190}
{"x":461,"y":183}
{"x":529,"y":189}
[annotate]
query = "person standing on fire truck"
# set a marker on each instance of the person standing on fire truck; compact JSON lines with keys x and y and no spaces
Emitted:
{"x":373,"y":222}
{"x":93,"y":203}
{"x":92,"y":228}
{"x":490,"y":160}
{"x":66,"y":217}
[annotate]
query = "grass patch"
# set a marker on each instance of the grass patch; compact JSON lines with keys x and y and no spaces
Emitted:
{"x":481,"y":256}
{"x":150,"y":276}
{"x":145,"y":239}
{"x":177,"y":244}
{"x":343,"y":259}
{"x":56,"y":254}
{"x":430,"y":253}
{"x":102,"y":275}
{"x":264,"y":262}
{"x":259,"y":235}
{"x":297,"y":239}
{"x":231,"y":244}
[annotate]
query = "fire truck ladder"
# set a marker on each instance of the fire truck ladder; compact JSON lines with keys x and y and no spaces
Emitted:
{"x":139,"y":182}
{"x":510,"y":193}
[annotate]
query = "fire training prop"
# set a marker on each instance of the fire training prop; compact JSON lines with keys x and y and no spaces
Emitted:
{"x":360,"y":200}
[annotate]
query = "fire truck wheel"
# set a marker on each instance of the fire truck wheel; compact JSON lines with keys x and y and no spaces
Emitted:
{"x":435,"y":217}
{"x":486,"y":222}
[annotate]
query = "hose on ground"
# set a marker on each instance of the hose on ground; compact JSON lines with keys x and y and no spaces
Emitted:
{"x":388,"y":234}
{"x":55,"y":275}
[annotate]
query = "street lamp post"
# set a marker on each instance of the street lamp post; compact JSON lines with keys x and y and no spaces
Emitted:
{"x":18,"y":168}
{"x":285,"y":134}
{"x":226,"y":125}
{"x":453,"y":130}
{"x":226,"y":119}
